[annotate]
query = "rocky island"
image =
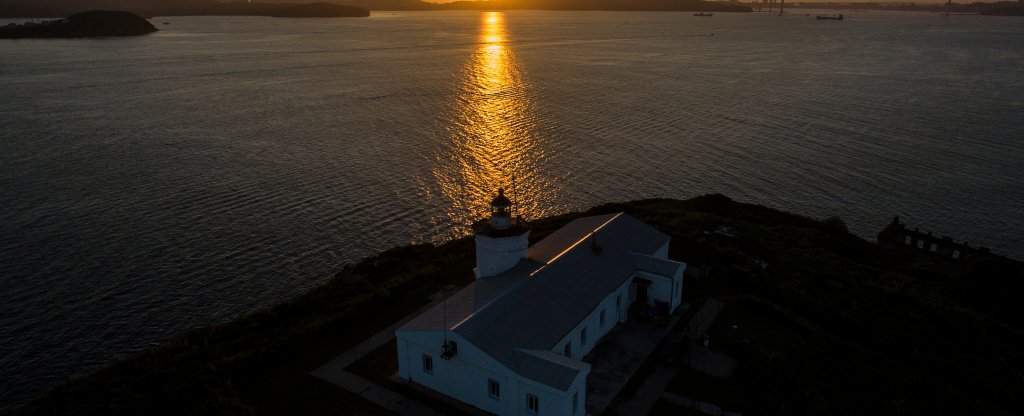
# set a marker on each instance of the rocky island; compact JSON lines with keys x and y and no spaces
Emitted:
{"x":95,"y":23}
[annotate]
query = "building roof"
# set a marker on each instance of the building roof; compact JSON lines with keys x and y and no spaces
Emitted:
{"x":552,"y":369}
{"x":534,"y":305}
{"x":654,"y":265}
{"x":466,"y":302}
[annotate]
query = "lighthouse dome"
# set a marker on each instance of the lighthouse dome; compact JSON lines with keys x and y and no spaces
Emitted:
{"x":501,"y":200}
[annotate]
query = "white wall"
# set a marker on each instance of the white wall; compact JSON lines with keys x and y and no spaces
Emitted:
{"x":661,"y":253}
{"x":465,"y":376}
{"x":495,"y":255}
{"x":596,"y":331}
{"x":665,"y":288}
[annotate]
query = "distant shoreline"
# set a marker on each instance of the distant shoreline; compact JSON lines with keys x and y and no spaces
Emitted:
{"x":60,"y":8}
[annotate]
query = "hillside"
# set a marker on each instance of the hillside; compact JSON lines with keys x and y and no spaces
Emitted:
{"x":317,"y":10}
{"x":826,"y":323}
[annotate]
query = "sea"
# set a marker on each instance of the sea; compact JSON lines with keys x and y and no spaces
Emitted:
{"x":153,"y":184}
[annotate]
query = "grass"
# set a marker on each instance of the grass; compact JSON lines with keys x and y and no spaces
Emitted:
{"x":379,"y":365}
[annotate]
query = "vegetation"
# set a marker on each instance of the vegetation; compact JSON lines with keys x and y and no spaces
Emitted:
{"x":86,"y":24}
{"x":826,"y":323}
{"x":318,"y":10}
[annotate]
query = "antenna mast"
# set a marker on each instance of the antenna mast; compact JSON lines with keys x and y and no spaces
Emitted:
{"x":515,"y":197}
{"x":444,"y":313}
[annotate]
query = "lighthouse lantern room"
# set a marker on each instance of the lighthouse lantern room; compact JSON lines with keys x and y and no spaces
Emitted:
{"x":501,"y":241}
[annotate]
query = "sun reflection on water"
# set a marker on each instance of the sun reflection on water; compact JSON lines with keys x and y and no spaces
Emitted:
{"x":491,"y":136}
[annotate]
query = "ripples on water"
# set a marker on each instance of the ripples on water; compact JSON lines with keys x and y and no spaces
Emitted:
{"x":157,"y":183}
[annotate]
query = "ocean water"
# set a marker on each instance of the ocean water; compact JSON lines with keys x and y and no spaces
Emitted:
{"x":153,"y":184}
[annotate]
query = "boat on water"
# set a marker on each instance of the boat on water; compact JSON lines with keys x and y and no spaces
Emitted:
{"x":830,"y":17}
{"x":704,"y":14}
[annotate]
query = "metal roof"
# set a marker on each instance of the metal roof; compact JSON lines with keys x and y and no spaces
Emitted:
{"x":536,"y":303}
{"x":552,"y":245}
{"x":651,"y":264}
{"x":552,"y":369}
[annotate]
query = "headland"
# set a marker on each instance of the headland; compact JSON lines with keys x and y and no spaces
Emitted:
{"x":814,"y":316}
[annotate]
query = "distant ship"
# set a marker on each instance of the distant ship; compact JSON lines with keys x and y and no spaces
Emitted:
{"x":825,"y":17}
{"x":704,"y":14}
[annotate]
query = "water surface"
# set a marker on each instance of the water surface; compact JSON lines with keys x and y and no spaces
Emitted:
{"x":158,"y":183}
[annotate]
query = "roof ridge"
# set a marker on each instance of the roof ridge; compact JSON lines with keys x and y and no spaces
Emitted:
{"x":507,"y":291}
{"x":548,"y":356}
{"x":577,"y":243}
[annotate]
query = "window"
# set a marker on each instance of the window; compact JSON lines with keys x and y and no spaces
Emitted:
{"x":583,"y":337}
{"x":568,"y":349}
{"x":575,"y":398}
{"x":602,"y":318}
{"x":618,"y":302}
{"x":493,"y":389}
{"x":428,"y":364}
{"x":532,"y":404}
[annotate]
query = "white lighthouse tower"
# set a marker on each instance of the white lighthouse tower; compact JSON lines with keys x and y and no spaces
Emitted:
{"x":500,"y":242}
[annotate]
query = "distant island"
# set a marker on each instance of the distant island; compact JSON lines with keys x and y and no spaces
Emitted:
{"x":318,"y":10}
{"x":1005,"y":11}
{"x":95,"y":23}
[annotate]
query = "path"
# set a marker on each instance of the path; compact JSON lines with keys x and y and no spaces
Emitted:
{"x":619,"y":355}
{"x":334,"y":371}
{"x":655,"y":384}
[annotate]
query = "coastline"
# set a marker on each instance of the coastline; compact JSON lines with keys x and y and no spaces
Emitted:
{"x":28,"y":9}
{"x":832,"y":289}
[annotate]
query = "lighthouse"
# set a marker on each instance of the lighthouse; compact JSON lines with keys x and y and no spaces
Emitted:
{"x":501,"y":241}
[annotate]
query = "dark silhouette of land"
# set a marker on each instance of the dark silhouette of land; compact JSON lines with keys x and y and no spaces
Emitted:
{"x":818,"y":320}
{"x":151,"y":8}
{"x":93,"y":23}
{"x":1003,"y":8}
{"x":601,"y":5}
{"x":318,"y":10}
{"x":1004,"y":11}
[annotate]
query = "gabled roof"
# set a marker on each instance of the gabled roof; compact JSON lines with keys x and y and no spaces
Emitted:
{"x":536,"y":303}
{"x":547,"y":367}
{"x":472,"y":298}
{"x":555,"y":243}
{"x":654,"y":265}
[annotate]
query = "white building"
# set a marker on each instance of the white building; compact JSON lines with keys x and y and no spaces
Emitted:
{"x":512,"y":342}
